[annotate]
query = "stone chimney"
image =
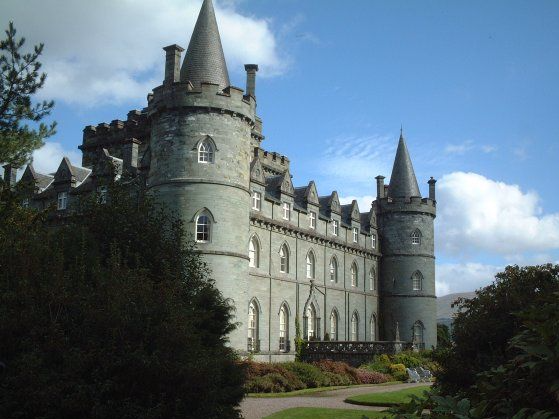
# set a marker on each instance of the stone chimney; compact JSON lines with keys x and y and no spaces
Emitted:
{"x":10,"y":174}
{"x":380,"y":186}
{"x":172,"y":63}
{"x":130,"y":155}
{"x":431,"y":183}
{"x":251,"y":70}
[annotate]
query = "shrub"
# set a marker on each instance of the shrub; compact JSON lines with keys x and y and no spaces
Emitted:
{"x":380,"y":364}
{"x":338,"y":379}
{"x":309,"y":374}
{"x":263,"y":378}
{"x":408,"y":359}
{"x":371,"y":377}
{"x":398,"y":371}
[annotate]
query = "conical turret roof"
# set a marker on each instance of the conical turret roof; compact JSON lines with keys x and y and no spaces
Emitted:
{"x":403,"y":183}
{"x":204,"y":60}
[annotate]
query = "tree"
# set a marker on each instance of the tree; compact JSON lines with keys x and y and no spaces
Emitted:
{"x":110,"y":315}
{"x":20,"y":79}
{"x":443,"y":336}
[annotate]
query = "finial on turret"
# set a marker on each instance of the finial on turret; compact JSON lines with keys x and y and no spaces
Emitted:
{"x":401,"y":131}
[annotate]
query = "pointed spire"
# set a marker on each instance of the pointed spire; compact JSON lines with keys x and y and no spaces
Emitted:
{"x":204,"y":60}
{"x":403,"y":183}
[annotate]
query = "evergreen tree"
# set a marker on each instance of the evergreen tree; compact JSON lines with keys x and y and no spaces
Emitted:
{"x":20,"y":79}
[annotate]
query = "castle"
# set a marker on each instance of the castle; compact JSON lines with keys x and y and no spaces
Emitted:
{"x":280,"y":252}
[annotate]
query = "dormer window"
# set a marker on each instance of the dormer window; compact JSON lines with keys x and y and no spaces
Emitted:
{"x":286,"y":211}
{"x":205,"y":152}
{"x":312,"y":219}
{"x":256,"y":200}
{"x":335,"y":228}
{"x":355,"y":235}
{"x":62,"y":202}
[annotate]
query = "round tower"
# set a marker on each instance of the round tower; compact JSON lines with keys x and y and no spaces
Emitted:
{"x":200,"y":155}
{"x":408,"y":301}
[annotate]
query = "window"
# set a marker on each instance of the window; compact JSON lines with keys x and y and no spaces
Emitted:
{"x":62,"y":202}
{"x":354,"y":327}
{"x":373,"y":328}
{"x":417,"y":332}
{"x":256,"y":200}
{"x":253,"y":252}
{"x":372,"y":279}
{"x":283,"y":331}
{"x":253,"y":344}
{"x":374,"y":241}
{"x":312,"y":219}
{"x":203,"y":229}
{"x":417,"y":280}
{"x":355,"y":235}
{"x":333,"y":270}
{"x":284,"y":259}
{"x":416,"y":237}
{"x":311,"y":322}
{"x":334,"y":325}
{"x":25,"y":203}
{"x":310,"y":265}
{"x":353,"y":272}
{"x":286,"y":211}
{"x":205,"y":152}
{"x":335,"y":227}
{"x":102,"y":194}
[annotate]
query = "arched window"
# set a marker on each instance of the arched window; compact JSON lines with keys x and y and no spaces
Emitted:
{"x":253,"y":344}
{"x":417,"y":281}
{"x":311,"y":322}
{"x":354,"y":273}
{"x":203,"y":228}
{"x":284,"y":259}
{"x":373,"y":328}
{"x":354,"y":327}
{"x":283,"y":329}
{"x":310,"y":265}
{"x":205,"y":152}
{"x":253,"y":252}
{"x":333,"y":270}
{"x":416,"y":237}
{"x":417,"y":333}
{"x":334,"y":325}
{"x":372,"y":279}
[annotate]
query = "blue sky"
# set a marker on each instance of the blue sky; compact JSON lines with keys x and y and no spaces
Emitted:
{"x":473,"y":83}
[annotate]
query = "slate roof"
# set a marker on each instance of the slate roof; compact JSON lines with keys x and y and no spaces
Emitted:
{"x":204,"y":60}
{"x":403,"y":183}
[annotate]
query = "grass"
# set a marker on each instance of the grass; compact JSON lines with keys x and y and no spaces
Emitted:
{"x":391,"y":398}
{"x":322,"y":413}
{"x":307,"y":391}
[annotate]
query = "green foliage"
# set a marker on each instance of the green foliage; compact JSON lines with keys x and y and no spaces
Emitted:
{"x":110,"y":315}
{"x":443,"y":336}
{"x":398,"y":371}
{"x":309,"y":374}
{"x":20,"y":79}
{"x":389,"y":398}
{"x":409,"y":359}
{"x":299,"y":342}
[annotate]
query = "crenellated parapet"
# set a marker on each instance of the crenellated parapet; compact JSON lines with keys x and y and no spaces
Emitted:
{"x":408,"y":205}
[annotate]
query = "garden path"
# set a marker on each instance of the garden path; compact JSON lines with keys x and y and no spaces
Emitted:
{"x":258,"y":408}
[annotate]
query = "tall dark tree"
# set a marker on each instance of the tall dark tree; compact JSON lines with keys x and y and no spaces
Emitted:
{"x":20,"y":79}
{"x":110,"y":315}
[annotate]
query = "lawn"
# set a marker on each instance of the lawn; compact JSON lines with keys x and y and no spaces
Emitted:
{"x":322,"y":413}
{"x":391,"y":398}
{"x":307,"y":391}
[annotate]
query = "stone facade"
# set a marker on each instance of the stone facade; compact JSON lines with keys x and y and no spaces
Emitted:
{"x":279,"y":252}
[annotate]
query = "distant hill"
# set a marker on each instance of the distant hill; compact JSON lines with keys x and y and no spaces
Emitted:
{"x":444,"y":309}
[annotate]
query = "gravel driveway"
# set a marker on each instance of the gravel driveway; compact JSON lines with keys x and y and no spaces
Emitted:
{"x":258,"y":408}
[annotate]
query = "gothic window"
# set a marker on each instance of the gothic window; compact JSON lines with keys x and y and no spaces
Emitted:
{"x":284,"y":259}
{"x":417,"y":281}
{"x":334,"y":325}
{"x":102,"y":194}
{"x":253,"y":344}
{"x":25,"y":203}
{"x":283,"y":329}
{"x":312,"y":219}
{"x":256,"y":200}
{"x":373,"y":328}
{"x":62,"y":201}
{"x":333,"y":270}
{"x":354,"y":327}
{"x":354,"y":273}
{"x":205,"y":152}
{"x":335,"y":227}
{"x":374,"y":241}
{"x":310,"y":265}
{"x":372,"y":279}
{"x":418,"y":332}
{"x":286,"y":211}
{"x":253,"y":252}
{"x":416,"y":237}
{"x":203,"y":228}
{"x":355,"y":235}
{"x":311,"y":322}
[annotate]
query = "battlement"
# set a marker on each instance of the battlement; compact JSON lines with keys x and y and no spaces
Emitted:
{"x":272,"y":162}
{"x":413,"y":204}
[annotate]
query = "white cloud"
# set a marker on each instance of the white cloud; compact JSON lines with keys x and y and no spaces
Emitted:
{"x":47,"y":158}
{"x":477,"y":214}
{"x":459,"y":149}
{"x":463,"y":277}
{"x":364,"y":202}
{"x":108,"y":51}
